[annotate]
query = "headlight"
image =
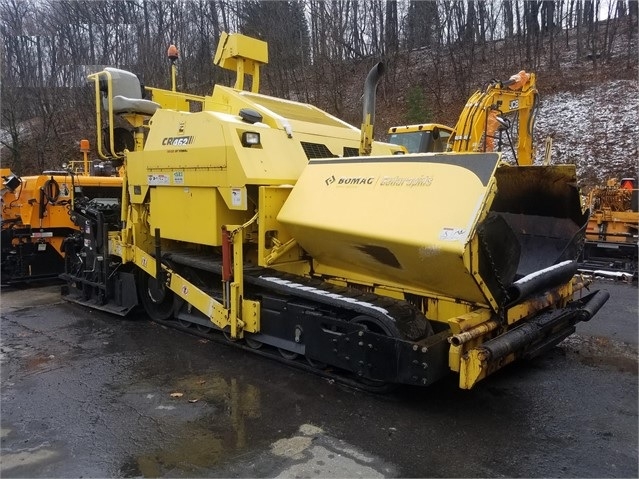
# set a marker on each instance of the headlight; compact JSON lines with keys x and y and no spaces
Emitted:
{"x":250,"y":138}
{"x":11,"y":182}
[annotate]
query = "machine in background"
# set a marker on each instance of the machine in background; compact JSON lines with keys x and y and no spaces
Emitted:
{"x":499,"y":117}
{"x":422,"y":138}
{"x":36,"y":219}
{"x":36,"y":210}
{"x":613,"y":228}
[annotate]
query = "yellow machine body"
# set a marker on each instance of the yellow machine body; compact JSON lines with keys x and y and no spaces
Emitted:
{"x":615,"y":215}
{"x":412,"y":221}
{"x":257,"y":217}
{"x":421,"y":138}
{"x":196,"y":166}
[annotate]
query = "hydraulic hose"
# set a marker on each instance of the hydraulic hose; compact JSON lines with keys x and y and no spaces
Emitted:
{"x":51,"y":190}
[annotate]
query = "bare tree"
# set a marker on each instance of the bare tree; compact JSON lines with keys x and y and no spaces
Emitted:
{"x":391,"y":39}
{"x":49,"y":46}
{"x":420,"y":24}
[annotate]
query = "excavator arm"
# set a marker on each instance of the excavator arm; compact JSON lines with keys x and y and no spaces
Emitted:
{"x":490,"y":113}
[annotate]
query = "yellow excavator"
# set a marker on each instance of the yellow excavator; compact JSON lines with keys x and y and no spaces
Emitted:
{"x":275,"y":226}
{"x":498,"y":116}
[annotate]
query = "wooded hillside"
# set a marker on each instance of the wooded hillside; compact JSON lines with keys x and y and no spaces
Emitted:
{"x":436,"y":53}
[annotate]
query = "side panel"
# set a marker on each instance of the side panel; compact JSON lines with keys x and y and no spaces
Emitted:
{"x":191,"y":214}
{"x":405,"y":220}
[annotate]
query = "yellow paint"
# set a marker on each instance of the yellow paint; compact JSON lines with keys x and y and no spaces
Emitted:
{"x":366,"y":220}
{"x":469,"y":320}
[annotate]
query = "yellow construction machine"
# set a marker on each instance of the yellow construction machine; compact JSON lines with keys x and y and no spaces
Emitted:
{"x":493,"y":112}
{"x":422,"y":138}
{"x":499,"y":115}
{"x":292,"y":232}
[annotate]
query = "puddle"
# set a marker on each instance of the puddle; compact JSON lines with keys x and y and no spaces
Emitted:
{"x":195,"y":448}
{"x":11,"y":460}
{"x":312,"y":453}
{"x":602,"y":351}
{"x":218,"y":412}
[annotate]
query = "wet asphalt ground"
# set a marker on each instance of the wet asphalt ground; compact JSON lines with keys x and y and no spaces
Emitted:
{"x":86,"y":394}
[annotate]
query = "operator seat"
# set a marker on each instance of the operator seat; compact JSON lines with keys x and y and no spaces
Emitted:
{"x":126,"y":90}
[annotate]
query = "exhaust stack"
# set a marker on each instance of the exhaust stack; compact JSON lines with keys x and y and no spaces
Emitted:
{"x":368,"y":120}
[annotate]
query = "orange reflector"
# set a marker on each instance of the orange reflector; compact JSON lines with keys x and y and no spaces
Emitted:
{"x":628,"y":183}
{"x":172,"y":53}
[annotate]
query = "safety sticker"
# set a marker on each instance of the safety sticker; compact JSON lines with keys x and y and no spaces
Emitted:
{"x":45,"y":234}
{"x":185,"y":290}
{"x":178,"y":177}
{"x":452,"y":234}
{"x":158,"y":179}
{"x":236,"y":196}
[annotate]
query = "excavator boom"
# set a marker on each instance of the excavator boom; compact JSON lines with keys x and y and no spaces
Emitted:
{"x":491,"y":112}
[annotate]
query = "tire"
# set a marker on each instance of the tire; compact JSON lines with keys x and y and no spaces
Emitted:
{"x":156,"y":298}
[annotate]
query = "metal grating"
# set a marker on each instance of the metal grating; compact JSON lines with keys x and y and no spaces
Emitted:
{"x":348,"y":151}
{"x":316,"y":150}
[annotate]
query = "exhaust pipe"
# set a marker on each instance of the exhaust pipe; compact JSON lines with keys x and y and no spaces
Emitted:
{"x":368,"y":120}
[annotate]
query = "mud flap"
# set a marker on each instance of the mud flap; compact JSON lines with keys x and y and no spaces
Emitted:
{"x":124,"y":300}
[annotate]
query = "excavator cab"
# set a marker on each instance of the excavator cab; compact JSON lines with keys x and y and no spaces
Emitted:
{"x":424,"y":138}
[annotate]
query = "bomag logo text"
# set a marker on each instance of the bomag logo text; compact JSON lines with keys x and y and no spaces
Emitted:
{"x":410,"y":181}
{"x":178,"y":140}
{"x":356,"y":180}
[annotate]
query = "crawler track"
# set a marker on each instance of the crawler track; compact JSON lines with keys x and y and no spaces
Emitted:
{"x":326,"y":316}
{"x":272,"y":354}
